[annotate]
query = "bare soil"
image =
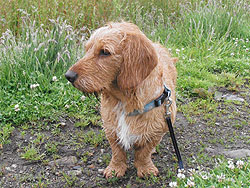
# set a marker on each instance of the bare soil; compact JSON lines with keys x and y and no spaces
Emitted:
{"x":225,"y":128}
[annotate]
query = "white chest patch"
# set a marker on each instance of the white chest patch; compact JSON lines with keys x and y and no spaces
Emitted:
{"x":126,"y":139}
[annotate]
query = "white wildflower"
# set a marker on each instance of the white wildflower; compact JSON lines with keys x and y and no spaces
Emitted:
{"x":66,"y":106}
{"x":190,"y":183}
{"x":54,"y":79}
{"x":230,"y":165}
{"x":181,"y":176}
{"x":205,"y":177}
{"x":33,"y":86}
{"x":83,"y":98}
{"x":173,"y":184}
{"x":191,"y":171}
{"x":232,"y":54}
{"x":239,"y":164}
{"x":17,"y":108}
{"x":177,"y":51}
{"x":247,"y":49}
{"x":221,"y":177}
{"x":183,"y":49}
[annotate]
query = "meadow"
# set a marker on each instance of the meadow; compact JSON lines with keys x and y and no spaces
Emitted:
{"x":40,"y":40}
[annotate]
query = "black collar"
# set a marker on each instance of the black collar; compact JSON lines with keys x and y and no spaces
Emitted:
{"x":153,"y":104}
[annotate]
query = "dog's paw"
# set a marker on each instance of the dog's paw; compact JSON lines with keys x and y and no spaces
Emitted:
{"x":147,"y":170}
{"x":117,"y":171}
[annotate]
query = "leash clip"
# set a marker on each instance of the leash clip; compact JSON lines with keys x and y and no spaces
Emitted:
{"x":168,"y":104}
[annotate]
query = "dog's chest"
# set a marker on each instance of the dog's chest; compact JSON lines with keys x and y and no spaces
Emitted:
{"x":123,"y":130}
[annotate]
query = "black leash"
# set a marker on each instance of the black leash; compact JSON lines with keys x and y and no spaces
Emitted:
{"x":156,"y":103}
{"x":171,"y":130}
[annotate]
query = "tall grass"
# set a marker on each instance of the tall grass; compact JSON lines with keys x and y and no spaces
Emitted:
{"x":41,"y":39}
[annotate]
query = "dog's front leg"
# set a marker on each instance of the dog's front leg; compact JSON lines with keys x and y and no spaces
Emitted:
{"x":118,"y":164}
{"x":143,"y":161}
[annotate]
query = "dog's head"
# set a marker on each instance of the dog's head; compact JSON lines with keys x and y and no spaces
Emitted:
{"x":118,"y":54}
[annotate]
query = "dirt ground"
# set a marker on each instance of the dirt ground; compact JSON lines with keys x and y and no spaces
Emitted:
{"x":76,"y":160}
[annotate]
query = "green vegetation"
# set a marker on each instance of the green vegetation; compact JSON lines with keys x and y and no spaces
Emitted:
{"x":40,"y":40}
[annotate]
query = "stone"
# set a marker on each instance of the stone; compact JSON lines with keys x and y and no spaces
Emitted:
{"x":240,"y":153}
{"x":100,"y":171}
{"x":65,"y":161}
{"x":75,"y":172}
{"x":233,"y":98}
{"x":217,"y":95}
{"x":13,"y":166}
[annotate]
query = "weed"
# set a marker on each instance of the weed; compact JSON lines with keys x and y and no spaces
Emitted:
{"x":32,"y":153}
{"x":5,"y":133}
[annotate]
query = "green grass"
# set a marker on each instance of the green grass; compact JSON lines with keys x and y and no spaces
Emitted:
{"x":226,"y":173}
{"x":38,"y":44}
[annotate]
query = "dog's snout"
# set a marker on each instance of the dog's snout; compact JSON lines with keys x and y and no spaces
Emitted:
{"x":71,"y":76}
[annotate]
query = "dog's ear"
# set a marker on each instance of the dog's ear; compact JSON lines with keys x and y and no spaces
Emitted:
{"x":139,"y":59}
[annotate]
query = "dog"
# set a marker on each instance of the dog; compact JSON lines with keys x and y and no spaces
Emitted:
{"x":129,"y":71}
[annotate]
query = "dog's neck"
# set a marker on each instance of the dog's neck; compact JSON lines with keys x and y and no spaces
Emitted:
{"x":148,"y":90}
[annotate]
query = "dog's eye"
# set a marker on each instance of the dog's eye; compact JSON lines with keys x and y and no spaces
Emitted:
{"x":104,"y":53}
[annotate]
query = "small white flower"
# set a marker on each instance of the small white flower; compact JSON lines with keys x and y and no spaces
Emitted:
{"x":191,"y":171}
{"x":177,"y":51}
{"x":232,"y":54}
{"x":239,"y":164}
{"x":33,"y":86}
{"x":173,"y":184}
{"x":205,"y":177}
{"x":183,"y":49}
{"x":230,"y":165}
{"x":221,"y":177}
{"x":83,"y":98}
{"x":190,"y":183}
{"x":247,"y":49}
{"x":181,"y":176}
{"x":54,"y":79}
{"x":17,"y":108}
{"x":66,"y":106}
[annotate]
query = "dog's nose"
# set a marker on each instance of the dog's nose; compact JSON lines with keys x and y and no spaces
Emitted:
{"x":71,"y":76}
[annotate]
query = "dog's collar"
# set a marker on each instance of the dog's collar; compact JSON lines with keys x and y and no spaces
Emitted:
{"x":153,"y":104}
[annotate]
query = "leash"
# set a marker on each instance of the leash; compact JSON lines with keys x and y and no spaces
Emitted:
{"x":171,"y":130}
{"x":156,"y":103}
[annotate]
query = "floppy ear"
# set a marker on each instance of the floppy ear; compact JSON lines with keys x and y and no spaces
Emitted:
{"x":139,"y":59}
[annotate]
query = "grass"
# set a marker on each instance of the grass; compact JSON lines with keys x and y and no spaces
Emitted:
{"x":226,"y":173}
{"x":38,"y":44}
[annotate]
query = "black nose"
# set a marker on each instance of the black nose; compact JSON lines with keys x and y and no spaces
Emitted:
{"x":71,"y":76}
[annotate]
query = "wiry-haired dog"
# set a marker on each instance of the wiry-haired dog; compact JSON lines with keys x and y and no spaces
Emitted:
{"x":129,"y":71}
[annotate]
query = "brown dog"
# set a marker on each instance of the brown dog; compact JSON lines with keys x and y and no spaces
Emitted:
{"x":129,"y":71}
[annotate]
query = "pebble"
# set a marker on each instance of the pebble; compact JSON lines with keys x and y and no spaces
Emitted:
{"x":65,"y":161}
{"x":75,"y":172}
{"x":14,"y":166}
{"x":100,"y":170}
{"x":8,"y":168}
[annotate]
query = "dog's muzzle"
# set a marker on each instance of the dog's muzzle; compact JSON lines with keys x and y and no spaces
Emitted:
{"x":71,"y":76}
